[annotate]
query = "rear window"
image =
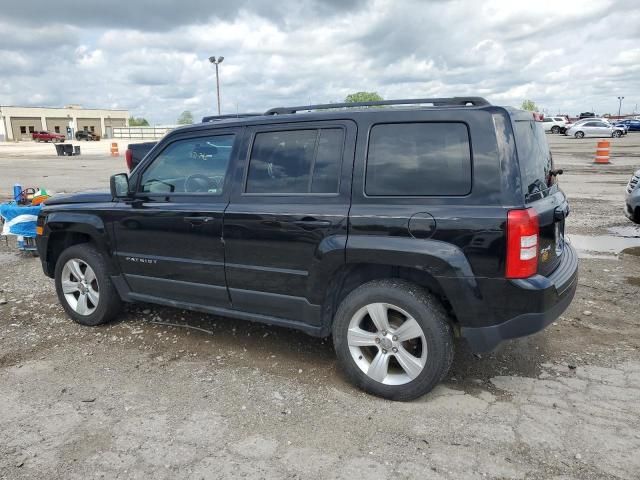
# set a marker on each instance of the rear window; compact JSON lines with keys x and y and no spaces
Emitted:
{"x":534,"y":158}
{"x":419,"y":159}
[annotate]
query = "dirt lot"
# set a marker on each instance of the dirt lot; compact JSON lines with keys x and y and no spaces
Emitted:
{"x":138,"y":399}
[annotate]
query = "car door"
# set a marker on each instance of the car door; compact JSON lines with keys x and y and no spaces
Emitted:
{"x":603,"y":129}
{"x":169,"y":235}
{"x":590,"y":129}
{"x":287,"y":217}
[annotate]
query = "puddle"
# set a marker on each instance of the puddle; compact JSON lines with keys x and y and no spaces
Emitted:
{"x":635,"y":281}
{"x":605,"y":246}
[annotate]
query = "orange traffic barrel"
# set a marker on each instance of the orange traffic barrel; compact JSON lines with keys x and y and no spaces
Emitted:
{"x":114,"y":150}
{"x":602,"y":152}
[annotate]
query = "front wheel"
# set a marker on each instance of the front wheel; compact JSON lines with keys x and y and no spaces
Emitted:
{"x":393,"y":339}
{"x":84,"y":286}
{"x":579,"y":135}
{"x":555,"y":129}
{"x":616,"y":134}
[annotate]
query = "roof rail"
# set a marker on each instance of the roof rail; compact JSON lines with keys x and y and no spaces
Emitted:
{"x":217,"y":118}
{"x":436,"y":102}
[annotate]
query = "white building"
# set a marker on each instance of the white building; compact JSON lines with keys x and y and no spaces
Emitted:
{"x":18,"y":123}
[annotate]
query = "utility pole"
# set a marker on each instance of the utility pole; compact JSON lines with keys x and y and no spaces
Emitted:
{"x":216,"y":62}
{"x":619,"y":106}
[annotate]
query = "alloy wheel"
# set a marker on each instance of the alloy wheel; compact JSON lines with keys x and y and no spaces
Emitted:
{"x":387,"y":344}
{"x":80,"y":286}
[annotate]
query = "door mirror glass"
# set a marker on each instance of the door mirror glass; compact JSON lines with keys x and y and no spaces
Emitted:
{"x":119,"y":185}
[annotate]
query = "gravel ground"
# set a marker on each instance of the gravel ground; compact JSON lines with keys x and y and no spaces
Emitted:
{"x":142,"y":399}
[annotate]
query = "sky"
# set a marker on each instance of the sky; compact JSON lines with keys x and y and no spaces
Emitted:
{"x":151,"y":57}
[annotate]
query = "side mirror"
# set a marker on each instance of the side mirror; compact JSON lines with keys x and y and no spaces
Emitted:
{"x":119,"y":184}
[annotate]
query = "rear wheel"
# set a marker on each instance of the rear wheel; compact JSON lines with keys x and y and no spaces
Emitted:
{"x":579,"y":135}
{"x":84,"y":286}
{"x":555,"y":129}
{"x":393,"y":339}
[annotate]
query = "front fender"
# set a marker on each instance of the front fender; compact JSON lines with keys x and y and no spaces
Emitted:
{"x":444,"y":262}
{"x":62,"y":223}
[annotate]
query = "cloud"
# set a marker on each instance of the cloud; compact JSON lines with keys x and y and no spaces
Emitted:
{"x":152,"y":57}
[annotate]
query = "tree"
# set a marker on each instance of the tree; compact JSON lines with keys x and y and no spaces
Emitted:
{"x":185,"y":118}
{"x":363,"y":97}
{"x":529,"y":105}
{"x":138,"y":122}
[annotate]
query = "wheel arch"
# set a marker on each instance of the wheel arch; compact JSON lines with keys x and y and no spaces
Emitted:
{"x":440,"y":268}
{"x":63,"y":230}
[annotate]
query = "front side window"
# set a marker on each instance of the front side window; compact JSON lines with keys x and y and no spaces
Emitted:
{"x":196,"y":165}
{"x":418,"y":159}
{"x":296,"y":161}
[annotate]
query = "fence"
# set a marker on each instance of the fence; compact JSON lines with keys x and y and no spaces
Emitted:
{"x":139,"y":133}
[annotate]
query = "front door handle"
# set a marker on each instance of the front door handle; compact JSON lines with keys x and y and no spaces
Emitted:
{"x":198,"y":220}
{"x":312,"y":223}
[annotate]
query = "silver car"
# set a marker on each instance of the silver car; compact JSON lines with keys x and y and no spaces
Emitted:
{"x":595,"y":128}
{"x":632,"y":204}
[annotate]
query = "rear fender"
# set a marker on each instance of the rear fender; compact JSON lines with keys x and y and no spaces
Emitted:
{"x":445,"y":262}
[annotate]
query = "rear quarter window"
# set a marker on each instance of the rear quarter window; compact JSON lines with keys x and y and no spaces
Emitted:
{"x":534,"y":157}
{"x":418,"y":159}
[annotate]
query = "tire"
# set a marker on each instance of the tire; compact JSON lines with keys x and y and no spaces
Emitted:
{"x":555,"y":129}
{"x":108,"y":303}
{"x":401,"y":302}
{"x":579,"y":135}
{"x":616,"y":134}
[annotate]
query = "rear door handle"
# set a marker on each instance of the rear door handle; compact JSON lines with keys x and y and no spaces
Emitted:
{"x":312,"y":223}
{"x":198,"y":220}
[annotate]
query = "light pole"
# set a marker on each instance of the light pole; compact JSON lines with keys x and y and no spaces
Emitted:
{"x":619,"y":106}
{"x":216,"y":62}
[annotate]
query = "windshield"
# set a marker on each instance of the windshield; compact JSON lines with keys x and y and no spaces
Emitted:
{"x":534,"y":158}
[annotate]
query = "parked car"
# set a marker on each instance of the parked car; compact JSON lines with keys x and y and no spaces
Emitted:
{"x":86,"y":135}
{"x":136,"y":152}
{"x":553,"y":124}
{"x":44,"y":136}
{"x":595,"y":128}
{"x":587,"y":115}
{"x":375,"y":226}
{"x":568,"y":125}
{"x":632,"y":201}
{"x":629,"y":125}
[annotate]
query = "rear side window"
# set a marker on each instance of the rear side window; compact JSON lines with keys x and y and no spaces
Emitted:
{"x":418,"y":159}
{"x":296,"y":161}
{"x":534,"y":157}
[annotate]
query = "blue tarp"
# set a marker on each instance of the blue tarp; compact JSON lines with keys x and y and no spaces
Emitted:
{"x":19,"y":220}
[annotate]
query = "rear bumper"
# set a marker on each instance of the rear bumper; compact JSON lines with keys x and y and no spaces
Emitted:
{"x":546,"y":299}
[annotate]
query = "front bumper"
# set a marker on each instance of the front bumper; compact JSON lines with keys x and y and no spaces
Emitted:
{"x":546,"y":298}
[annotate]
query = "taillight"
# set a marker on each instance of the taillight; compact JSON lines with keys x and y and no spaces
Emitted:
{"x":128,"y":156}
{"x":523,"y":235}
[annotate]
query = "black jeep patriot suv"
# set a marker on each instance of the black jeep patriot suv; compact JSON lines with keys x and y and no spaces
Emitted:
{"x":394,"y":229}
